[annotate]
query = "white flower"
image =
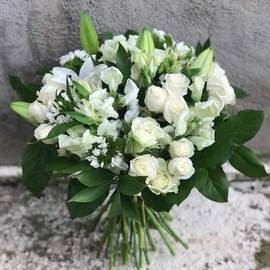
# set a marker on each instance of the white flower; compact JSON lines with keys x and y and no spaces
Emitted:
{"x":155,"y":99}
{"x":109,"y":128}
{"x":204,"y":136}
{"x":59,"y":76}
{"x":132,"y":42}
{"x":144,"y":165}
{"x":146,"y":131}
{"x":181,"y":123}
{"x":83,"y":55}
{"x":218,"y":84}
{"x":181,"y":148}
{"x":38,"y":111}
{"x":210,"y":108}
{"x":130,"y":100}
{"x":110,"y":47}
{"x":48,"y":93}
{"x":42,"y":131}
{"x":112,"y":77}
{"x":163,"y":182}
{"x":99,"y":106}
{"x":181,"y":167}
{"x":118,"y":164}
{"x":197,"y":87}
{"x":174,"y":106}
{"x":182,"y":49}
{"x":78,"y":146}
{"x":176,"y":84}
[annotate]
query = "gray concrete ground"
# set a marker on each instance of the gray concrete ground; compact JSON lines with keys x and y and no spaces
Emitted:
{"x":37,"y":234}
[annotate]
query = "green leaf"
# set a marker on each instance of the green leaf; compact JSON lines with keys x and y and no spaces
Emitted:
{"x":80,"y":117}
{"x":95,"y":177}
{"x":88,"y":34}
{"x":245,"y":161}
{"x":214,"y":155}
{"x":240,"y":93}
{"x":238,"y":129}
{"x":201,"y":47}
{"x":107,"y":35}
{"x":71,"y":94}
{"x":129,"y":207}
{"x":25,"y":92}
{"x":115,"y":209}
{"x":80,"y":209}
{"x":22,"y":109}
{"x":61,"y":128}
{"x":129,"y":185}
{"x":123,"y":62}
{"x":130,"y":32}
{"x":36,"y":172}
{"x":68,"y":165}
{"x":185,"y":187}
{"x":157,"y":202}
{"x":214,"y":187}
{"x":90,"y":194}
{"x":249,"y":123}
{"x":83,"y":88}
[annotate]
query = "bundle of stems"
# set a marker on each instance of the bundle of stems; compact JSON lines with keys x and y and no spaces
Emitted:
{"x":124,"y":237}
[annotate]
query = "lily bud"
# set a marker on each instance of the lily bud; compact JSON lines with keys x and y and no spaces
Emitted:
{"x":203,"y":62}
{"x":145,"y":41}
{"x":22,"y":109}
{"x":88,"y":34}
{"x":83,"y":88}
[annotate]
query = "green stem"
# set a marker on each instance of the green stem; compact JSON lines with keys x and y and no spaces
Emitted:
{"x":150,"y":238}
{"x":145,"y":250}
{"x":125,"y":242}
{"x":141,"y":241}
{"x":135,"y":247}
{"x":117,"y":242}
{"x":102,"y":210}
{"x":156,"y":223}
{"x":105,"y":236}
{"x":170,"y":231}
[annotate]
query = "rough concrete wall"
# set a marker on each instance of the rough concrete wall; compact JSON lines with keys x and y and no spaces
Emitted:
{"x":37,"y":32}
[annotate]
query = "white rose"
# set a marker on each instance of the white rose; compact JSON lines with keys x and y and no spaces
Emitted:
{"x":146,"y":131}
{"x":218,"y":84}
{"x":181,"y":148}
{"x":162,"y":182}
{"x":42,"y":131}
{"x":155,"y":99}
{"x":174,"y":106}
{"x":210,"y":108}
{"x":144,"y":165}
{"x":204,"y":138}
{"x":181,"y":167}
{"x":176,"y":83}
{"x":112,"y":77}
{"x":38,"y":111}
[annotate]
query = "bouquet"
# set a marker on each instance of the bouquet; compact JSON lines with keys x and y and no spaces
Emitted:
{"x":136,"y":121}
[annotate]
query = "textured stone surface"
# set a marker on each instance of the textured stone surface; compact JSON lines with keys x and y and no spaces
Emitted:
{"x":37,"y":234}
{"x":35,"y":33}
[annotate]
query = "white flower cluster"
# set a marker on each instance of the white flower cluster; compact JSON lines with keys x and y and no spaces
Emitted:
{"x":149,"y":124}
